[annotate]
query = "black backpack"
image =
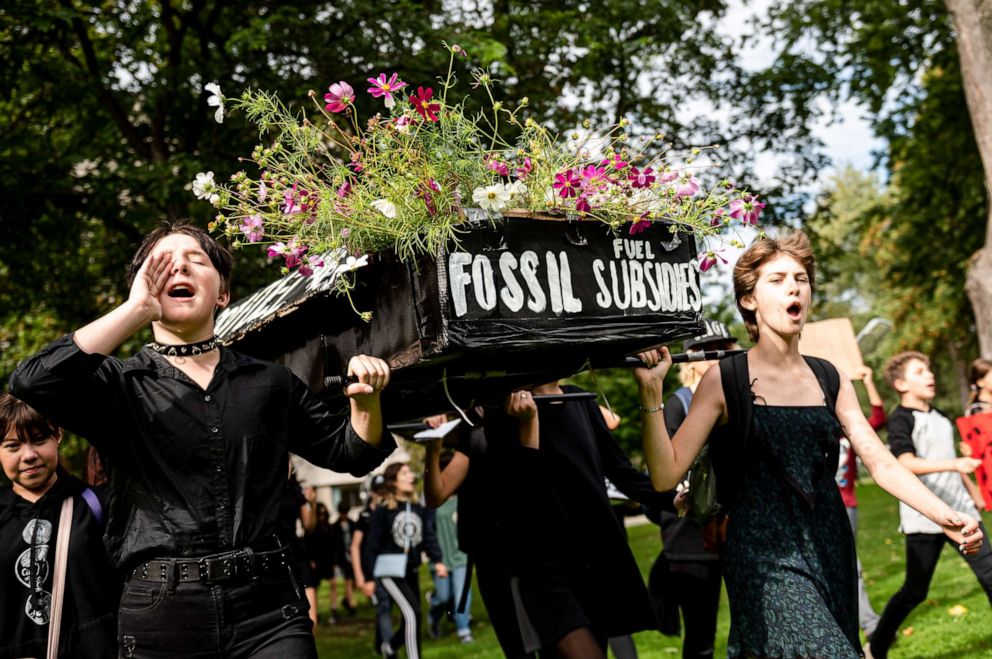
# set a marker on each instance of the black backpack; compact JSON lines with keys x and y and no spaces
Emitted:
{"x":731,"y":445}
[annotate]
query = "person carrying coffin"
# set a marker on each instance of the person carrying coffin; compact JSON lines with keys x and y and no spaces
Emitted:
{"x":195,"y":438}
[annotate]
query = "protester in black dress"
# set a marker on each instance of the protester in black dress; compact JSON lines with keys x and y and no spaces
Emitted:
{"x":487,"y":524}
{"x":400,"y":529}
{"x":30,"y":511}
{"x":578,"y":581}
{"x":195,"y":440}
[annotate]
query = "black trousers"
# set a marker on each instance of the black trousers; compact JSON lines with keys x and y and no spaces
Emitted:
{"x":265,"y":618}
{"x":922,"y":552}
{"x":697,"y":585}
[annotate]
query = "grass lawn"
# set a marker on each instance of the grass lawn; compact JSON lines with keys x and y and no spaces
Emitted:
{"x":931,"y":632}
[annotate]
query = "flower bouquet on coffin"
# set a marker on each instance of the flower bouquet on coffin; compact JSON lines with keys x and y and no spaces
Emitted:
{"x":485,"y":250}
{"x":326,"y":186}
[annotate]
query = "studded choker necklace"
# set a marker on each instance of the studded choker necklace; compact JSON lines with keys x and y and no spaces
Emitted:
{"x":184,"y":349}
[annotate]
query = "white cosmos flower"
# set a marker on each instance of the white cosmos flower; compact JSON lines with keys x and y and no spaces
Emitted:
{"x":215,"y":200}
{"x":203,"y":185}
{"x":492,"y":197}
{"x":216,"y":100}
{"x":385,"y":207}
{"x":517,"y":189}
{"x":351,"y":263}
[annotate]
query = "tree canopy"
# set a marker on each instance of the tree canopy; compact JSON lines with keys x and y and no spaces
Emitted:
{"x":104,"y":121}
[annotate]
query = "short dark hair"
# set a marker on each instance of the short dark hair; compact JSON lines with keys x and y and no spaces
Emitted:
{"x":27,"y":423}
{"x":219,"y":255}
{"x":895,"y":368}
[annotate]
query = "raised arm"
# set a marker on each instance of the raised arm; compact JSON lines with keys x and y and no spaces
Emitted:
{"x":896,"y":479}
{"x":669,"y":458}
{"x":104,"y":335}
{"x":440,"y":485}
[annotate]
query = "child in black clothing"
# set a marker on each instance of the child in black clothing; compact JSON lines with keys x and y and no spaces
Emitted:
{"x":923,"y":440}
{"x":398,"y":532}
{"x":30,"y":514}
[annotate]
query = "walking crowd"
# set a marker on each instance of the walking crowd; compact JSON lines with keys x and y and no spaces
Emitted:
{"x":190,"y":537}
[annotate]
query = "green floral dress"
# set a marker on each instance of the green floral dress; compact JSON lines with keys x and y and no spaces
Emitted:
{"x":789,"y":557}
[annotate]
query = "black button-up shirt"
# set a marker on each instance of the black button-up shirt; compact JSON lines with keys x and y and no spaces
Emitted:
{"x":191,"y":471}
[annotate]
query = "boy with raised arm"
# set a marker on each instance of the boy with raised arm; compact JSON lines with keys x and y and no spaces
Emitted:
{"x":194,"y":438}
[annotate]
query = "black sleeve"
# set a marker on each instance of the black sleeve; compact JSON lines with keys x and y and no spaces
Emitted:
{"x":900,"y":427}
{"x":78,"y":391}
{"x":431,"y":546}
{"x":675,"y":414}
{"x":372,"y":542}
{"x":618,"y":468}
{"x":328,"y":440}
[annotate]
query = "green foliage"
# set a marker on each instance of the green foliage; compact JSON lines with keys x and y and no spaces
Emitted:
{"x":900,"y":251}
{"x":104,"y":122}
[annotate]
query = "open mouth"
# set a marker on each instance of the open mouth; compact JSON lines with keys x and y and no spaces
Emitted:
{"x":794,"y":310}
{"x":181,"y":291}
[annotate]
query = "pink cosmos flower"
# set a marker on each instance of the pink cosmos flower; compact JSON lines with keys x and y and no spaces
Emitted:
{"x":747,"y":209}
{"x":718,"y":217}
{"x":340,"y":97}
{"x":582,"y":204}
{"x":709,"y":259}
{"x":641,"y":179}
{"x":426,"y":193}
{"x":593,"y":175}
{"x":253,"y":228}
{"x":566,"y":183}
{"x":421,"y":103}
{"x":263,"y":191}
{"x":291,"y":203}
{"x":669,"y":176}
{"x":615,"y":161}
{"x":494,"y":164}
{"x":524,"y":169}
{"x":688,"y":187}
{"x":293,"y":252}
{"x":356,"y":164}
{"x":307,"y":266}
{"x":344,"y":190}
{"x":383,"y":88}
{"x":640,"y":226}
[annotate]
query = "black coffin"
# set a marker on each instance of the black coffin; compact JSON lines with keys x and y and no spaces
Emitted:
{"x":516,"y":301}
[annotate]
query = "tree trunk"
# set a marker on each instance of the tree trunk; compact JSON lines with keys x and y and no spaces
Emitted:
{"x":973,"y":25}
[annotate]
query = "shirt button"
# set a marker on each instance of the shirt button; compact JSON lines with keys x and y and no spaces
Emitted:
{"x":214,"y":429}
{"x":207,"y":398}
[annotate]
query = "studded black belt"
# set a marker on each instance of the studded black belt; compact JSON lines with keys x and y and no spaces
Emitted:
{"x":241,"y":564}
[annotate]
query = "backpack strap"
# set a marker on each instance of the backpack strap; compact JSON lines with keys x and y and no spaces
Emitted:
{"x":93,"y":501}
{"x":730,"y":443}
{"x":826,"y":374}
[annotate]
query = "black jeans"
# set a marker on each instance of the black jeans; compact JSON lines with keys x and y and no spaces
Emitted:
{"x":922,"y":552}
{"x":265,"y":618}
{"x":698,"y":586}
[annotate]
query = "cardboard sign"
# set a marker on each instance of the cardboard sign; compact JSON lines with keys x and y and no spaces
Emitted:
{"x":976,"y":431}
{"x":833,"y":340}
